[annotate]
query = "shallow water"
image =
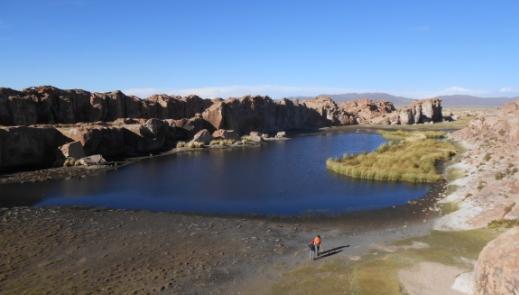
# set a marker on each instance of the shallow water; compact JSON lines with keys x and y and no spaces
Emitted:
{"x":279,"y":178}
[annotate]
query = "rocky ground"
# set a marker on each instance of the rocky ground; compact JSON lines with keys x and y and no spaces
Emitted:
{"x":96,"y":251}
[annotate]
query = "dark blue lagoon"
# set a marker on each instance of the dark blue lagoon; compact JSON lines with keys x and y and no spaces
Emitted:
{"x":279,"y":178}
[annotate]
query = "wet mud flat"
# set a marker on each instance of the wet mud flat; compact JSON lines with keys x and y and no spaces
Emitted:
{"x":100,"y":251}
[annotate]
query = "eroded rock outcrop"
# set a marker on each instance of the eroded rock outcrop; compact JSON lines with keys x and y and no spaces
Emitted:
{"x":259,"y":113}
{"x":125,"y":140}
{"x":28,"y":147}
{"x":497,"y":268}
{"x":368,"y":111}
{"x":50,"y":105}
{"x":422,"y":111}
{"x":331,"y":111}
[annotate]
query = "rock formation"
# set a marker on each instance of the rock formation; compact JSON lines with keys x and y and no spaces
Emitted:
{"x":422,"y":111}
{"x":331,"y":111}
{"x":259,"y":113}
{"x":50,"y":105}
{"x":367,"y":111}
{"x":115,"y":125}
{"x":30,"y":148}
{"x":125,"y":141}
{"x":497,"y":268}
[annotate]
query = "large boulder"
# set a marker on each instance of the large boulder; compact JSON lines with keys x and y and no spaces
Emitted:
{"x":497,"y":268}
{"x":128,"y":140}
{"x":154,"y":128}
{"x":28,"y":147}
{"x":422,"y":111}
{"x":73,"y":150}
{"x":192,"y":125}
{"x":91,"y":160}
{"x":203,"y":136}
{"x":226,"y":134}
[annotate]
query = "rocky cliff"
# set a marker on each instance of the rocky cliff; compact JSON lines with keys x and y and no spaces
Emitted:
{"x":51,"y":105}
{"x":258,"y":113}
{"x":116,"y":125}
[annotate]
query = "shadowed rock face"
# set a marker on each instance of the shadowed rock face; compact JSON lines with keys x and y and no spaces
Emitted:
{"x":497,"y":269}
{"x":49,"y":105}
{"x":28,"y":147}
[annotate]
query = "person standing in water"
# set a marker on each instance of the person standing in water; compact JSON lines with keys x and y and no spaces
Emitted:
{"x":315,"y":245}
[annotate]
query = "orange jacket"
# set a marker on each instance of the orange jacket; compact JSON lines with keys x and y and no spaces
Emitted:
{"x":316,"y":241}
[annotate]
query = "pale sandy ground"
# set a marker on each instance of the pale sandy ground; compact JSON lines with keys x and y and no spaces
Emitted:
{"x":430,"y":278}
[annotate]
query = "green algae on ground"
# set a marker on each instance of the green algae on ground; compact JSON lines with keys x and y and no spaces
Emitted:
{"x":454,"y":173}
{"x":446,"y":208}
{"x":377,"y":272}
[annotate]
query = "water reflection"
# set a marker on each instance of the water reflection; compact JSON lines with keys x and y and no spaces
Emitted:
{"x":282,"y":178}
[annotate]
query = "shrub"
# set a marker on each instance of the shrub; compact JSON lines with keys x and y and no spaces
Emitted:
{"x":499,"y":175}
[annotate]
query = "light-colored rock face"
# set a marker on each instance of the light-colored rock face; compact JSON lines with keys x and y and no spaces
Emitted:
{"x":422,"y":111}
{"x":490,"y":191}
{"x":367,"y":111}
{"x":226,"y":134}
{"x":497,"y":268}
{"x":92,"y":160}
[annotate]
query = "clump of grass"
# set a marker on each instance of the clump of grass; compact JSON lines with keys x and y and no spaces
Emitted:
{"x":499,"y":175}
{"x":410,"y":161}
{"x":221,"y":142}
{"x":481,"y":185}
{"x":411,"y":135}
{"x":195,"y":144}
{"x":451,"y":188}
{"x":504,"y":223}
{"x":454,"y":173}
{"x":446,"y":208}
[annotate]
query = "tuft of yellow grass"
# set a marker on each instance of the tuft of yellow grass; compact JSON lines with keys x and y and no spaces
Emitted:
{"x":414,"y":158}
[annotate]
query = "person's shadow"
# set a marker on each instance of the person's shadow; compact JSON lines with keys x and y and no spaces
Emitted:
{"x":331,"y":252}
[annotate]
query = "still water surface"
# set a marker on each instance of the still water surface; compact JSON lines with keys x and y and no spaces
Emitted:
{"x":280,"y":178}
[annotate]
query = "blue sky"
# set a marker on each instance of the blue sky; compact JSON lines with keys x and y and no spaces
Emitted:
{"x":281,"y":48}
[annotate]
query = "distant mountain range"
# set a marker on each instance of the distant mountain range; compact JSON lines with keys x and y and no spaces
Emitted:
{"x":451,"y":101}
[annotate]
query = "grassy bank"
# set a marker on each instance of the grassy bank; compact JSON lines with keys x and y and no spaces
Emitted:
{"x":409,"y":156}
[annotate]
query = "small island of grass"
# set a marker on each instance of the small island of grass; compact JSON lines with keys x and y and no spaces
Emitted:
{"x":409,"y":156}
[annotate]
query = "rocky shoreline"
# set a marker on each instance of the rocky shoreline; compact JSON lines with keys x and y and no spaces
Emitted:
{"x":48,"y":127}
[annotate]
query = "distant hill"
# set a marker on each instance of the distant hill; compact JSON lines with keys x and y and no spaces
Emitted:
{"x":449,"y":101}
{"x":396,"y":100}
{"x":452,"y":101}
